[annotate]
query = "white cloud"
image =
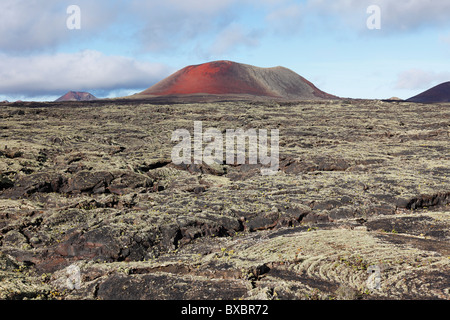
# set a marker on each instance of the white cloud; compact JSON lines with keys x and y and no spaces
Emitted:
{"x":414,"y":79}
{"x":198,"y":6}
{"x":397,"y":16}
{"x":48,"y":74}
{"x":26,"y":24}
{"x":33,"y":25}
{"x":232,"y":37}
{"x":163,"y":26}
{"x":167,"y":26}
{"x":286,"y":18}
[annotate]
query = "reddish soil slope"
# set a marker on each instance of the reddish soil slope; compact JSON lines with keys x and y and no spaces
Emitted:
{"x":76,"y":96}
{"x":227,"y":77}
{"x":439,"y":93}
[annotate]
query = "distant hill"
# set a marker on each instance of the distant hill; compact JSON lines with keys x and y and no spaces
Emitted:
{"x":231,"y":78}
{"x":76,"y":96}
{"x":439,"y":93}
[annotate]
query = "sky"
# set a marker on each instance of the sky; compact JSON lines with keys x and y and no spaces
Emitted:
{"x":373,"y":49}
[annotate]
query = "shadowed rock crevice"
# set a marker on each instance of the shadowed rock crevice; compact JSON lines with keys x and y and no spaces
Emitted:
{"x":427,"y":201}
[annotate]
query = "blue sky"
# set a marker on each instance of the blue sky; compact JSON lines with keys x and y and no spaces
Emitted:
{"x":124,"y":47}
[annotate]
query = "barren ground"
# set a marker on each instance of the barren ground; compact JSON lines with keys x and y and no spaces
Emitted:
{"x":363,"y":185}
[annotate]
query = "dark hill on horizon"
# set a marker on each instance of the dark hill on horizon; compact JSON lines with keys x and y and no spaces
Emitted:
{"x":439,"y":93}
{"x":227,"y":78}
{"x":76,"y":96}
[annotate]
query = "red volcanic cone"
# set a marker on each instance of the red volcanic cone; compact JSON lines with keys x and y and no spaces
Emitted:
{"x":231,"y":78}
{"x":76,"y":96}
{"x":439,"y":93}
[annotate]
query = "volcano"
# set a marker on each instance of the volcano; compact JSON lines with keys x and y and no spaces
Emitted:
{"x":231,"y":78}
{"x":76,"y":96}
{"x":439,"y":93}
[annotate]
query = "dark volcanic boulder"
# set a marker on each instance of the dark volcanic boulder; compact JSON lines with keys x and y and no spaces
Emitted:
{"x":87,"y":181}
{"x":44,"y":182}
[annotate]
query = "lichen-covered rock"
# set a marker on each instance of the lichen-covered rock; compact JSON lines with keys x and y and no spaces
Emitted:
{"x":87,"y":181}
{"x":360,"y":185}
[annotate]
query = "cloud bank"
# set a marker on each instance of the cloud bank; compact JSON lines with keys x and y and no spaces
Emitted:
{"x":54,"y":74}
{"x":397,"y":16}
{"x":27,"y":25}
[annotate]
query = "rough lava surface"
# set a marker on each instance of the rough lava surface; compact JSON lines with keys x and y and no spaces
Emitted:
{"x":92,"y":207}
